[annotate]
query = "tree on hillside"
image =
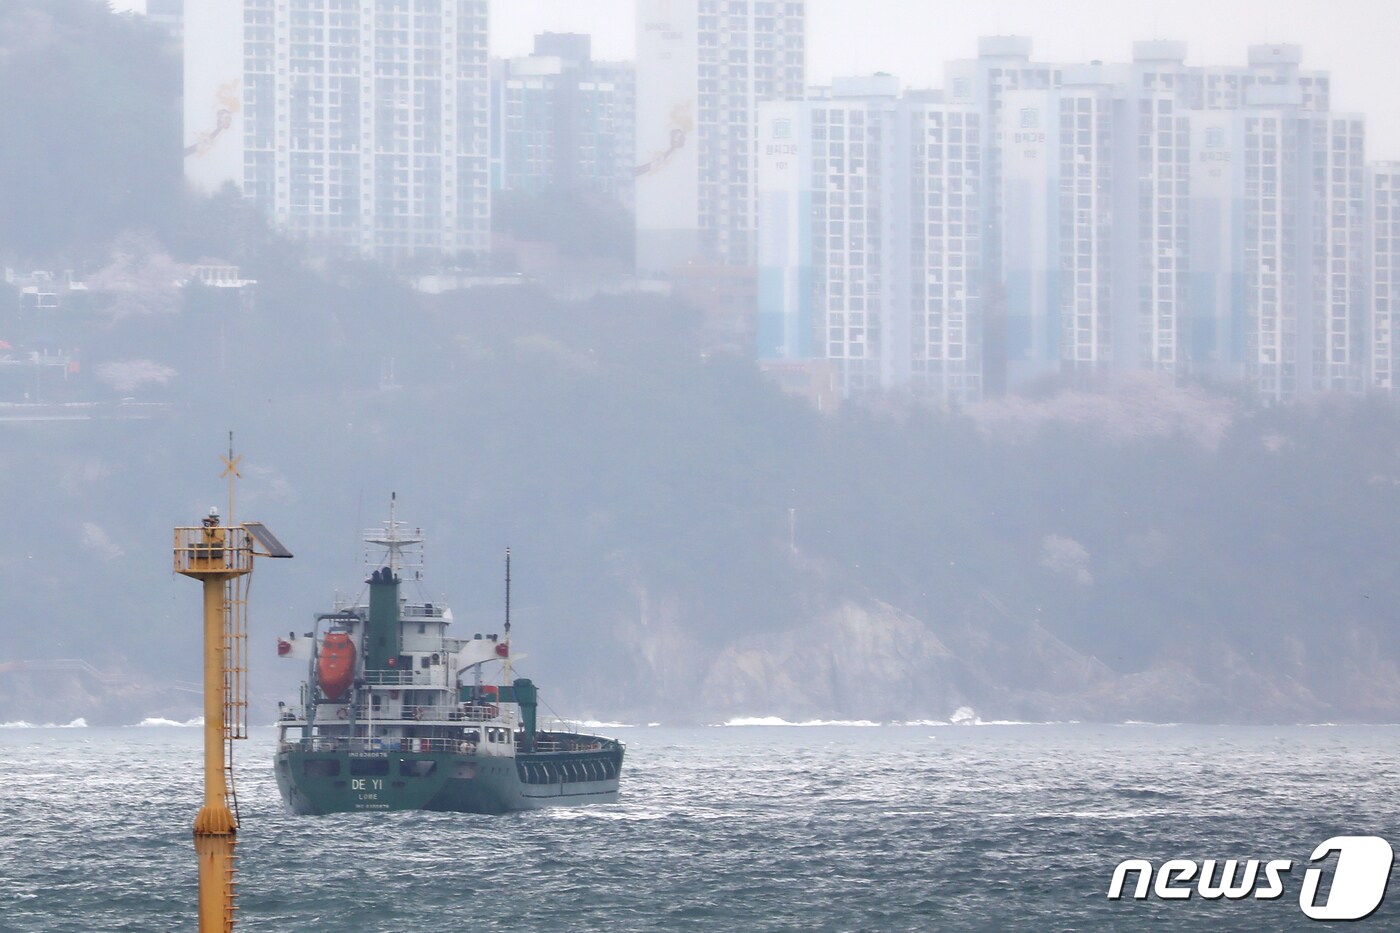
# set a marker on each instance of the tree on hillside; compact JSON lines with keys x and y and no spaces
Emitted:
{"x":90,"y":147}
{"x":581,"y":224}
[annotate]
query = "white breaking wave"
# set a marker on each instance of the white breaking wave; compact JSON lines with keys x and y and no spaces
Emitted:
{"x":778,"y":721}
{"x":79,"y":723}
{"x":596,"y":724}
{"x":964,"y":716}
{"x":166,"y":723}
{"x":1139,"y":722}
{"x":1012,"y":722}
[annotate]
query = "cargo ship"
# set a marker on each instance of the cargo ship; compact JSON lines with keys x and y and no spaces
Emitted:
{"x":395,"y":714}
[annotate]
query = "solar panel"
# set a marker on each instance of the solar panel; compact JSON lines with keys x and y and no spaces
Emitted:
{"x":267,"y":539}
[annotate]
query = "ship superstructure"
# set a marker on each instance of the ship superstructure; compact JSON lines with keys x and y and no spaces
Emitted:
{"x":395,"y":714}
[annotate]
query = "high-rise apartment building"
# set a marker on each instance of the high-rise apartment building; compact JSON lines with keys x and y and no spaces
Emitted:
{"x":1277,"y":220}
{"x":1056,"y":227}
{"x":1153,"y":215}
{"x":870,"y":237}
{"x":703,"y":66}
{"x":1198,"y":222}
{"x":359,"y":127}
{"x":562,"y":121}
{"x":1383,"y":261}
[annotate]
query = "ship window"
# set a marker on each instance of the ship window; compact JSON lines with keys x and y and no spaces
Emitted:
{"x":418,"y":769}
{"x":422,"y":628}
{"x":320,"y":767}
{"x":425,"y":662}
{"x":369,"y":767}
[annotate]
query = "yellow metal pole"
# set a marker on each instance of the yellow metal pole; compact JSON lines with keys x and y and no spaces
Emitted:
{"x":217,"y":555}
{"x":215,"y":831}
{"x":215,"y":816}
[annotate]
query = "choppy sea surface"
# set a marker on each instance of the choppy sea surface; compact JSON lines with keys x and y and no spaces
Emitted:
{"x":753,"y":827}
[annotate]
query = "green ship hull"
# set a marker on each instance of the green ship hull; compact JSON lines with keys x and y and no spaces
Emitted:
{"x":338,"y":780}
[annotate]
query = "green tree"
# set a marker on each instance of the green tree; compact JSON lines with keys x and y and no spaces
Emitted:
{"x":90,"y":147}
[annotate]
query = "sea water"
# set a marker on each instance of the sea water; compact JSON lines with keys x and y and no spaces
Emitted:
{"x":754,"y":827}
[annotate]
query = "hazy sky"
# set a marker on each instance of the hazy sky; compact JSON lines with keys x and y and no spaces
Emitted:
{"x":1357,"y":40}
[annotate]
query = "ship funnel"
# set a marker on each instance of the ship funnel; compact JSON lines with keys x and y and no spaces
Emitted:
{"x":527,"y":697}
{"x":383,"y":635}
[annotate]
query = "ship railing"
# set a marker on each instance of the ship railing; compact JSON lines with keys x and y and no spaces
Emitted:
{"x":361,"y":745}
{"x":389,"y":678}
{"x":419,"y":678}
{"x":459,"y":712}
{"x":579,"y":743}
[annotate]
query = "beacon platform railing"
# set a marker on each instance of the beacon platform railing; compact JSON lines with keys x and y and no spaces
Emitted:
{"x":213,"y":550}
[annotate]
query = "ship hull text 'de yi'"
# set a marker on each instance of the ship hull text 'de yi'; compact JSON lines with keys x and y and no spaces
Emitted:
{"x":396,"y":715}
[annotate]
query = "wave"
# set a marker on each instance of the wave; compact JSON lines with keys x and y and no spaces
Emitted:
{"x":965,"y":716}
{"x":158,"y":721}
{"x":1140,"y":722}
{"x":978,"y":721}
{"x":567,"y":725}
{"x":778,"y":721}
{"x":599,"y":724}
{"x":79,"y":723}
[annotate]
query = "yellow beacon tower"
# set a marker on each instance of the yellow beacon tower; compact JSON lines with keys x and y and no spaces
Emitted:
{"x":221,"y":556}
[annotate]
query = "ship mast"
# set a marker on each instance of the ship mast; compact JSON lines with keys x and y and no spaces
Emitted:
{"x":507,"y":625}
{"x":399,"y":548}
{"x":221,"y":557}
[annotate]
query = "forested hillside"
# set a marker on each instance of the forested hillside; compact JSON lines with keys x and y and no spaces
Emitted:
{"x":690,"y":544}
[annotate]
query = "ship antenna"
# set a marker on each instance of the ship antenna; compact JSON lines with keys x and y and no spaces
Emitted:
{"x":509,"y":677}
{"x":393,"y":536}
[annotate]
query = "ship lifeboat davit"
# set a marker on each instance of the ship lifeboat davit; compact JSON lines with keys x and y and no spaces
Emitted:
{"x":335,"y":667}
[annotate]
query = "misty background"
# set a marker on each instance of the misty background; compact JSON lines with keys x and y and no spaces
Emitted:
{"x":1349,"y":38}
{"x":690,"y":544}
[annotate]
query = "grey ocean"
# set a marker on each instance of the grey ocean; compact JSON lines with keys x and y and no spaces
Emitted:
{"x":990,"y":827}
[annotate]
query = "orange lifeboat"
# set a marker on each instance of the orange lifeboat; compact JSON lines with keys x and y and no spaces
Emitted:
{"x":335,"y":667}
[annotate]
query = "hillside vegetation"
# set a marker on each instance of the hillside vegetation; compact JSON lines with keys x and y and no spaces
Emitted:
{"x":690,"y":544}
